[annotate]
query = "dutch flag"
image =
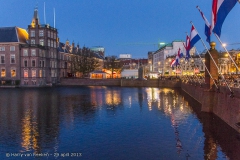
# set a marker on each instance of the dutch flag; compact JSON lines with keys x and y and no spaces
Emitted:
{"x":194,"y":37}
{"x":220,"y":10}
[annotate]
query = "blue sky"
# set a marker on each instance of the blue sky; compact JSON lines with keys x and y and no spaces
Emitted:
{"x":118,"y":25}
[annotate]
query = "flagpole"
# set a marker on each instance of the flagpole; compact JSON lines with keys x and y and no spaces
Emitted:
{"x":206,"y":68}
{"x":193,"y":61}
{"x":212,"y":59}
{"x":226,"y":51}
{"x":194,"y":65}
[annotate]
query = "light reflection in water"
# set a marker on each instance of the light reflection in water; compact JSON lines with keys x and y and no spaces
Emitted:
{"x":51,"y":122}
{"x":112,"y":97}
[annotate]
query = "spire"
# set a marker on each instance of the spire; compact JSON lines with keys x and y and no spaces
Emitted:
{"x":35,"y":20}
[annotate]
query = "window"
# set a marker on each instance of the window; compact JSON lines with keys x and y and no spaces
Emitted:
{"x":48,"y":43}
{"x":25,"y":73}
{"x":40,"y":73}
{"x":43,"y":73}
{"x":33,"y":63}
{"x":51,"y":43}
{"x":33,"y":73}
{"x":25,"y":52}
{"x":48,"y":33}
{"x":52,"y":73}
{"x":40,"y":63}
{"x":12,"y":48}
{"x":40,"y":33}
{"x":12,"y":58}
{"x":54,"y":44}
{"x":3,"y":72}
{"x":2,"y":48}
{"x":43,"y":64}
{"x":51,"y":34}
{"x":32,"y":41}
{"x":25,"y":63}
{"x":41,"y":42}
{"x":40,"y":53}
{"x":33,"y":52}
{"x":13,"y":72}
{"x":2,"y":59}
{"x":32,"y":33}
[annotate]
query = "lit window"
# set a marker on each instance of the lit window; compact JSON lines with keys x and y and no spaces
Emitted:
{"x":25,"y":52}
{"x":12,"y":48}
{"x":2,"y":59}
{"x":33,"y":73}
{"x":12,"y":58}
{"x":40,"y":73}
{"x":3,"y":72}
{"x":41,"y":42}
{"x":33,"y":52}
{"x":25,"y":73}
{"x":13,"y":72}
{"x":2,"y":48}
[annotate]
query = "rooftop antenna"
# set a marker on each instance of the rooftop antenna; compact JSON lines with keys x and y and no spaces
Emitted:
{"x":54,"y":17}
{"x":44,"y":14}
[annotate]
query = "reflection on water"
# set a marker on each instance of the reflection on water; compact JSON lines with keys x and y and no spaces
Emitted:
{"x":112,"y":123}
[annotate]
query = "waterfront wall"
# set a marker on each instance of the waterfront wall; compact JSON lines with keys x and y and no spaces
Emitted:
{"x":220,"y":103}
{"x":89,"y":82}
{"x":121,"y":82}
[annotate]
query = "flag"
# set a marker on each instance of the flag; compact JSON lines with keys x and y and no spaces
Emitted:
{"x":178,"y":56}
{"x":220,"y":10}
{"x":173,"y":62}
{"x":194,"y":37}
{"x":187,"y":47}
{"x":207,"y":26}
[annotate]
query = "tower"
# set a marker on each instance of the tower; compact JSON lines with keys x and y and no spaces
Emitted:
{"x":39,"y":56}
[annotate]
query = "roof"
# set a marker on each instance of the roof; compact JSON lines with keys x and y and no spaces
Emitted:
{"x":13,"y":34}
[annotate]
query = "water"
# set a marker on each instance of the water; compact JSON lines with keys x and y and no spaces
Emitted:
{"x":110,"y":123}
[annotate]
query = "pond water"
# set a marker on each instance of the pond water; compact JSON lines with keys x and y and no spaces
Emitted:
{"x":110,"y":123}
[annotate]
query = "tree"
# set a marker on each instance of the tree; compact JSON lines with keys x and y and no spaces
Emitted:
{"x":84,"y":61}
{"x":111,"y":63}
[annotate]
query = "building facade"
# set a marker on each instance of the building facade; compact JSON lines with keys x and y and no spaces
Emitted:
{"x":36,"y":57}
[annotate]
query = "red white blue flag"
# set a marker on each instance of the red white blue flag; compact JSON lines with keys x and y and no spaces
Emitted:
{"x":220,"y":10}
{"x":194,"y":37}
{"x":173,"y":62}
{"x":187,"y":47}
{"x":207,"y":26}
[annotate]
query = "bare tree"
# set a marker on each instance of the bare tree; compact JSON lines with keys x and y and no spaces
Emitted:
{"x":111,"y":63}
{"x":84,"y":61}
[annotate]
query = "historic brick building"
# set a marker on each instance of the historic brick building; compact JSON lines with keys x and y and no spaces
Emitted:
{"x":36,"y":57}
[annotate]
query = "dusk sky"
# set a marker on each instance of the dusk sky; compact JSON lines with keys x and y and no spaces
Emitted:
{"x":118,"y":25}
